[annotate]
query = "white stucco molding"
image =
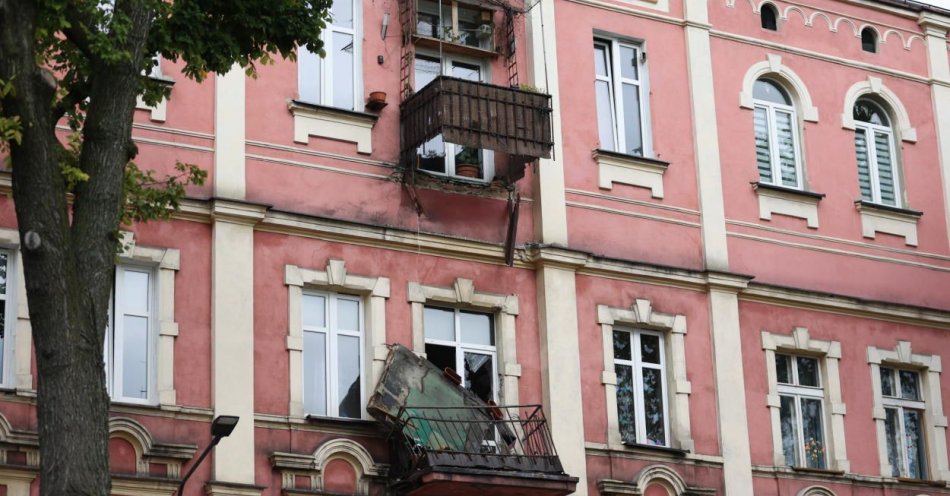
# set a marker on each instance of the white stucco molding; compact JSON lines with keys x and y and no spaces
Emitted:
{"x":773,"y":68}
{"x":158,"y":112}
{"x":17,"y":481}
{"x":462,"y":294}
{"x":292,"y":465}
{"x":799,"y":342}
{"x":630,"y":170}
{"x":168,"y":262}
{"x":353,"y":127}
{"x":147,"y":451}
{"x":935,"y":421}
{"x":875,"y":219}
{"x":800,"y":204}
{"x":894,"y":107}
{"x":815,"y":491}
{"x":374,"y":292}
{"x":642,"y":315}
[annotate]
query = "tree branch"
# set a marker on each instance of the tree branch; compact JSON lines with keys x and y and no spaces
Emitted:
{"x":78,"y":32}
{"x":77,"y":94}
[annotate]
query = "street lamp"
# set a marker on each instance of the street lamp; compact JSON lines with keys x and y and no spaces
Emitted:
{"x":221,"y":426}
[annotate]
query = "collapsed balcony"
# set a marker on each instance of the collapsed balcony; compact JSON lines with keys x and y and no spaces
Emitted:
{"x":446,"y":440}
{"x":479,"y":116}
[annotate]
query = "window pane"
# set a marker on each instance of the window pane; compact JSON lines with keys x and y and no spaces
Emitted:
{"x":427,"y":69}
{"x":308,"y":75}
{"x":348,"y":315}
{"x":314,"y":311}
{"x":864,"y":170}
{"x":633,"y":140}
{"x":3,"y":273}
{"x":891,"y":430}
{"x":469,"y":72}
{"x":887,"y":382}
{"x":763,"y":152}
{"x":625,"y":404}
{"x":343,"y":84}
{"x":135,"y":357}
{"x":788,"y":418}
{"x":315,"y":373}
{"x":910,"y":389}
{"x":784,"y":131}
{"x":653,"y":407}
{"x":135,"y":292}
{"x":432,"y":155}
{"x":770,"y":92}
{"x":479,"y":375}
{"x":439,"y":324}
{"x":348,"y":376}
{"x":342,"y":12}
{"x":783,"y":368}
{"x":808,"y":374}
{"x":442,"y":357}
{"x":476,"y":328}
{"x":914,"y":443}
{"x":628,"y":62}
{"x":865,"y":111}
{"x":605,"y":119}
{"x":885,"y":168}
{"x":622,"y":345}
{"x":650,"y":348}
{"x":601,"y":60}
{"x":812,"y":433}
{"x":3,"y":320}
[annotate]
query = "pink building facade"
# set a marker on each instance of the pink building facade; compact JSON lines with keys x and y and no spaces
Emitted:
{"x":729,"y":253}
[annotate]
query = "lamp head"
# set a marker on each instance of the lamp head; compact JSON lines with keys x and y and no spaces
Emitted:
{"x":223,"y":425}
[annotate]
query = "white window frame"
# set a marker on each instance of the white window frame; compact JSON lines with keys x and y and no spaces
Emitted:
{"x":311,"y":66}
{"x":18,"y":346}
{"x":331,"y":334}
{"x":771,"y":108}
{"x":8,"y":353}
{"x":462,"y":294}
{"x":799,"y":342}
{"x":637,"y":365}
{"x":615,"y":82}
{"x":461,"y":346}
{"x":873,"y":170}
{"x":934,"y":423}
{"x":798,"y":392}
{"x":901,"y":404}
{"x":373,"y":293}
{"x":672,"y":328}
{"x":451,"y":149}
{"x":115,"y":336}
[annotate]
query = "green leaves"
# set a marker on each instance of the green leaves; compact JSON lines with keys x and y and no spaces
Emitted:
{"x":147,"y":198}
{"x":11,"y":129}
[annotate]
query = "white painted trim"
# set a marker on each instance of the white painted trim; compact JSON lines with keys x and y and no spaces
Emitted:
{"x":629,"y":170}
{"x":641,"y":315}
{"x":158,"y":112}
{"x":894,"y":107}
{"x":829,"y":354}
{"x":326,"y":123}
{"x":373,"y":292}
{"x":875,"y":220}
{"x":790,"y":204}
{"x":773,"y":68}
{"x":229,"y":134}
{"x":935,"y":421}
{"x":292,"y":465}
{"x":462,"y":294}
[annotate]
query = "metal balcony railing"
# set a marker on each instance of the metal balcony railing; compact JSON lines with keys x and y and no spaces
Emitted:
{"x":515,"y":438}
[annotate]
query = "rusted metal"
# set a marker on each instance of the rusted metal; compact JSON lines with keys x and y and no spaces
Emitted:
{"x":478,"y":115}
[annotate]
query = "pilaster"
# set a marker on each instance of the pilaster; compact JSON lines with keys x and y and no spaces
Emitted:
{"x":935,"y":32}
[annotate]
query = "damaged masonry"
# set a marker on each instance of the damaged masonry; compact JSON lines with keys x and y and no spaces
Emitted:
{"x":446,"y":440}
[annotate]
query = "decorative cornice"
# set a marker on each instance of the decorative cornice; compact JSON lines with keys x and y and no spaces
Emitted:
{"x":237,"y":212}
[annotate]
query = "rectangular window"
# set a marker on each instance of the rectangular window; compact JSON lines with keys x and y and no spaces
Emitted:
{"x":620,"y":90}
{"x":130,"y":338}
{"x":455,"y":22}
{"x":449,"y":159}
{"x":334,"y":80}
{"x":639,"y":361}
{"x":7,"y":319}
{"x":801,"y":399}
{"x":464,"y":342}
{"x":903,"y":422}
{"x":876,"y":175}
{"x":332,"y":360}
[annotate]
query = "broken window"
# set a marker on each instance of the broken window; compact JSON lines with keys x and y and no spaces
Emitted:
{"x":464,"y":342}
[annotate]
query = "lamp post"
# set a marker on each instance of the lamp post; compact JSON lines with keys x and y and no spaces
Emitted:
{"x":221,"y":426}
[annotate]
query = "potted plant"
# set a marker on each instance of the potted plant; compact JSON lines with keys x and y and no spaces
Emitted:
{"x":468,"y":163}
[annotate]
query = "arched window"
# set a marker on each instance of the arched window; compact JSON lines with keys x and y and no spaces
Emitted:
{"x":776,"y":136}
{"x":868,"y":40}
{"x":769,"y":17}
{"x":874,"y":146}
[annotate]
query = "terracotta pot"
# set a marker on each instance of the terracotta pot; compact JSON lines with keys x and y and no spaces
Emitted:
{"x":467,"y":170}
{"x":377,"y":96}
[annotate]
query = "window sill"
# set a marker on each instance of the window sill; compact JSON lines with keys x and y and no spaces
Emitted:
{"x":817,"y":471}
{"x":787,"y":201}
{"x":877,"y":218}
{"x":334,"y":123}
{"x":921,"y":482}
{"x":342,"y":421}
{"x":160,"y":111}
{"x":632,"y":170}
{"x":656,"y":449}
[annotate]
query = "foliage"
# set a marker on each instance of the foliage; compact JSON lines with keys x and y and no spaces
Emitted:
{"x":148,"y":198}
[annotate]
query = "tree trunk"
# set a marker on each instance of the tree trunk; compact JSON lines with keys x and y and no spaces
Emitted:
{"x":68,"y":261}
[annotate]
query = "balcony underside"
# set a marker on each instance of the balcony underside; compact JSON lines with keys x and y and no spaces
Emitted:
{"x":473,"y":482}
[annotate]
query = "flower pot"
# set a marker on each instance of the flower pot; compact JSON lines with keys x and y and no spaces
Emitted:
{"x":467,"y":170}
{"x":377,"y":96}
